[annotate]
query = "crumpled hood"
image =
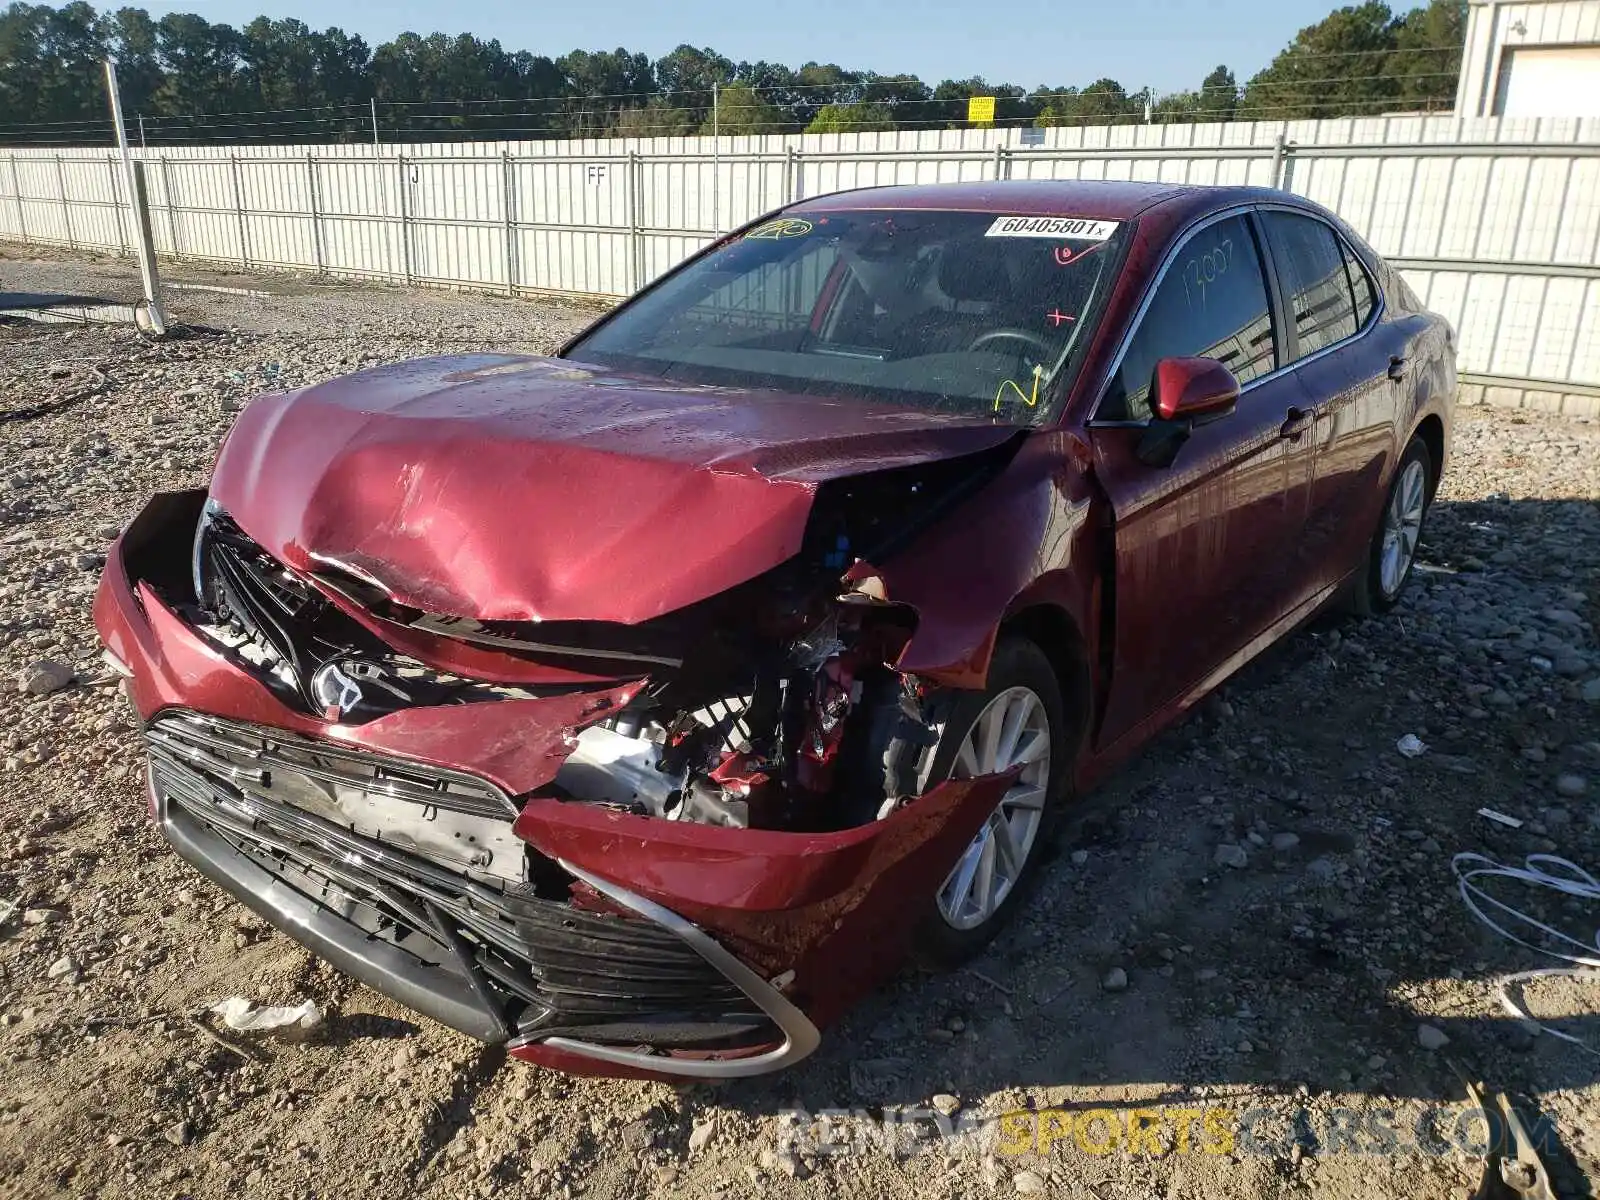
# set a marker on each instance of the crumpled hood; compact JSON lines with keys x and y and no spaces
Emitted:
{"x":516,"y":488}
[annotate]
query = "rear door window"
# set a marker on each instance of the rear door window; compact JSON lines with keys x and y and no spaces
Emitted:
{"x":1316,"y":287}
{"x":1211,"y":303}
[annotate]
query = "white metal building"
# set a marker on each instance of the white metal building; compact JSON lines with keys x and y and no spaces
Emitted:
{"x":1531,"y":58}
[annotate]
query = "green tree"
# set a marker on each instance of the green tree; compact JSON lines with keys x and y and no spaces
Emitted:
{"x":741,"y":110}
{"x":278,"y":61}
{"x":23,"y":62}
{"x":1426,"y":63}
{"x":1333,"y":68}
{"x":1103,"y":102}
{"x":1219,"y":96}
{"x":1180,"y":108}
{"x":852,"y":118}
{"x":132,"y":39}
{"x":343,"y":66}
{"x":599,"y":84}
{"x":201,"y":62}
{"x":655,"y":119}
{"x":904,"y":99}
{"x":71,"y":86}
{"x":1360,"y":59}
{"x":686,"y":76}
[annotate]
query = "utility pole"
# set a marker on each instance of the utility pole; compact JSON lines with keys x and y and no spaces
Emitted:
{"x":716,"y":164}
{"x":383,"y":179}
{"x":138,"y":210}
{"x":143,"y":145}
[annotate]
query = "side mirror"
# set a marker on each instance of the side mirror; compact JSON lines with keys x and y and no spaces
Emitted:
{"x":1185,"y":392}
{"x":1196,"y":389}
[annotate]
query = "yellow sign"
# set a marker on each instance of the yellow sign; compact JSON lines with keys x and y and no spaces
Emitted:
{"x":980,"y":110}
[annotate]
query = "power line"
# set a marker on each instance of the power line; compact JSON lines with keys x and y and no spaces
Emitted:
{"x":1189,"y":116}
{"x":361,"y":104}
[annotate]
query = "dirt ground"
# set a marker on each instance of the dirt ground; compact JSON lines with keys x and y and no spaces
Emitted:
{"x":1257,"y":919}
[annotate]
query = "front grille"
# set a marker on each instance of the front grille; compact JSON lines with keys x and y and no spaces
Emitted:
{"x":527,"y":963}
{"x":235,"y":751}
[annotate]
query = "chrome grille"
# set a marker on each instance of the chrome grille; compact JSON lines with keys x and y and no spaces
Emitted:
{"x":485,"y":952}
{"x":244,"y":753}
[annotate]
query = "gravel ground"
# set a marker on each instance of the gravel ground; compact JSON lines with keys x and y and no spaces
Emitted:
{"x":1258,"y":915}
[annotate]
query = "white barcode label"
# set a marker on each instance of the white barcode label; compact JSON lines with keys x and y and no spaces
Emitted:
{"x":1077,"y":228}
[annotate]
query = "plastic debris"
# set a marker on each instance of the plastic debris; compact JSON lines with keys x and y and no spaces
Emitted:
{"x":1499,"y":818}
{"x":242,"y":1016}
{"x":1411,"y":745}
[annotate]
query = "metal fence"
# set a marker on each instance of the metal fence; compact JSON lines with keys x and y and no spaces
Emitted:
{"x":1495,"y":222}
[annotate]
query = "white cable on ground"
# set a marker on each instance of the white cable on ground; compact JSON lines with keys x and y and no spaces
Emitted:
{"x":1539,"y":870}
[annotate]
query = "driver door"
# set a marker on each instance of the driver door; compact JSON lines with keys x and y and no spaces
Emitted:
{"x":1204,"y":546}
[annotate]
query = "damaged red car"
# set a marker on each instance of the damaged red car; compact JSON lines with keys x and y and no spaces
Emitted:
{"x":643,"y":706}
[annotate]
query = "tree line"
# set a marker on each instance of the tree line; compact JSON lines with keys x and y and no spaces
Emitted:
{"x":188,"y":79}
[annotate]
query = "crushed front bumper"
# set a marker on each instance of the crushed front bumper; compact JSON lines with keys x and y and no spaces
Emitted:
{"x":461,"y":950}
{"x":633,"y":946}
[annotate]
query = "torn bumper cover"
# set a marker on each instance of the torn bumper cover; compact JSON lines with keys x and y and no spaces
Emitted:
{"x":426,"y":853}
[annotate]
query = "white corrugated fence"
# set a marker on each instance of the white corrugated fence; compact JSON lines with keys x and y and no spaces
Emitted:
{"x":1496,"y":223}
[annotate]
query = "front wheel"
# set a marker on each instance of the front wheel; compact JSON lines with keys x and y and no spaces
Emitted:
{"x":1017,"y":723}
{"x":1387,"y":569}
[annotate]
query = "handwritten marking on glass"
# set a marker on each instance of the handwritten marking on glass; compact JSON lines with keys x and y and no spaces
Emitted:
{"x":1031,"y":399}
{"x":1066,"y":255}
{"x":1201,"y":271}
{"x":782,"y":227}
{"x":1056,"y":316}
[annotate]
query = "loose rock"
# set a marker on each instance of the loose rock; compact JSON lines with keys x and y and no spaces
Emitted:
{"x":44,"y":678}
{"x":1230,"y":854}
{"x":1028,"y":1183}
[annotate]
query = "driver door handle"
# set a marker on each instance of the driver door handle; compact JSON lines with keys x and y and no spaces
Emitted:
{"x":1296,"y":423}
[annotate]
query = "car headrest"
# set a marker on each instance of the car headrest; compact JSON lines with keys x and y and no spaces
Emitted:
{"x":972,"y":270}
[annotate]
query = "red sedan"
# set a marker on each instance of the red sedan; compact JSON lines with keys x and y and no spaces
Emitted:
{"x":642,"y":706}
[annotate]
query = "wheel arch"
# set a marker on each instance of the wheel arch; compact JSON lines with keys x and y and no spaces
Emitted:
{"x":1431,"y":430}
{"x":1054,"y":631}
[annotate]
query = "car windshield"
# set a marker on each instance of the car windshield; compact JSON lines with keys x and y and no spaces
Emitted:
{"x":980,"y":313}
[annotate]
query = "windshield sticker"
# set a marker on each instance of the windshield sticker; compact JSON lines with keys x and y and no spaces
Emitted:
{"x":1080,"y":228}
{"x":1030,"y":399}
{"x":782,"y":227}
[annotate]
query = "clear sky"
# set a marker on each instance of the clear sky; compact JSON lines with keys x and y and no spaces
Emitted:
{"x":1165,"y":44}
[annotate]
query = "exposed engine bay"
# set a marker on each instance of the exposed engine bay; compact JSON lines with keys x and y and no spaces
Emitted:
{"x":772,"y":705}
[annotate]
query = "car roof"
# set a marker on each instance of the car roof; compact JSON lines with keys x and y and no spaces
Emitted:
{"x":1107,"y":200}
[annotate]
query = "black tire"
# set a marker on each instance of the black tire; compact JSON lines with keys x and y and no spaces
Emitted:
{"x":1367,"y":595}
{"x":1017,"y":662}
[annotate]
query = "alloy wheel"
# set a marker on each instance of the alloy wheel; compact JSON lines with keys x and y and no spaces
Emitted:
{"x":1012,"y":731}
{"x":1402,"y":527}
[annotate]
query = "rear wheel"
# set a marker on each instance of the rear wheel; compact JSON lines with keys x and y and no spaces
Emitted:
{"x":1383,"y":576}
{"x":1018,"y":722}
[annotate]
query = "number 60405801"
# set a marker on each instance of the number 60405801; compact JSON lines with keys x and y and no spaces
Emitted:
{"x":1203,"y":270}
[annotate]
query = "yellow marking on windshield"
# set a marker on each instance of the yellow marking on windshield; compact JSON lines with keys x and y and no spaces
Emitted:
{"x":783,"y":227}
{"x":1031,"y":400}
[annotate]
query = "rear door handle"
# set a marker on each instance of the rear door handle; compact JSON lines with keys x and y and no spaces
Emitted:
{"x":1296,"y":423}
{"x":1397,"y":367}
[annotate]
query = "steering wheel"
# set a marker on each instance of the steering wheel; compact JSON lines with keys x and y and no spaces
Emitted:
{"x":1045,"y":349}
